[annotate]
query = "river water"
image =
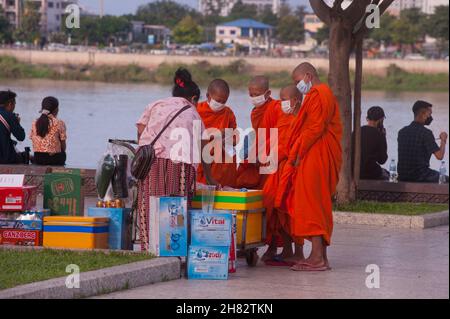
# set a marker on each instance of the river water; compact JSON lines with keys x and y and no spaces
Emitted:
{"x":95,"y":112}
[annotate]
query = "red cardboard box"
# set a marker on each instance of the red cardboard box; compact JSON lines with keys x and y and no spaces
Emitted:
{"x":13,"y":199}
{"x":20,"y":237}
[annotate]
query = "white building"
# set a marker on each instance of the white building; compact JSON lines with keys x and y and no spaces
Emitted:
{"x":52,"y":12}
{"x":224,"y":7}
{"x":426,"y":6}
{"x":245,"y":32}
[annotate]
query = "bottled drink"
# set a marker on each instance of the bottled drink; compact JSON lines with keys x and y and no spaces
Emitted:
{"x":442,"y":173}
{"x":393,"y":172}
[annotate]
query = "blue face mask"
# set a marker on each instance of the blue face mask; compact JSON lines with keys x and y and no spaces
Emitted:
{"x":304,"y":87}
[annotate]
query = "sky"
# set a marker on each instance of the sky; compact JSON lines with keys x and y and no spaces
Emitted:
{"x":118,"y":7}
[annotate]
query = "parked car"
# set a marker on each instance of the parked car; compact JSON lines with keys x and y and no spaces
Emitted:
{"x":414,"y":57}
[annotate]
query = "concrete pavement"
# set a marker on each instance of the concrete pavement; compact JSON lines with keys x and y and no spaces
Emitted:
{"x":412,"y":263}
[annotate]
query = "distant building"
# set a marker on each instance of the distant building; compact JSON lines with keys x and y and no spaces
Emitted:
{"x":245,"y":32}
{"x":426,"y":6}
{"x":52,"y":12}
{"x":224,"y":7}
{"x":312,"y":23}
{"x":150,"y":34}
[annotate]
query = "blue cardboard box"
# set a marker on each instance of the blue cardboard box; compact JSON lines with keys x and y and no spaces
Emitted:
{"x":207,"y":262}
{"x":171,"y":235}
{"x":211,"y":229}
{"x":119,"y":226}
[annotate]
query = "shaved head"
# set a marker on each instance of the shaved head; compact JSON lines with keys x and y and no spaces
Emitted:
{"x":219,"y":86}
{"x":303,"y":70}
{"x":260,"y":81}
{"x":290,"y":92}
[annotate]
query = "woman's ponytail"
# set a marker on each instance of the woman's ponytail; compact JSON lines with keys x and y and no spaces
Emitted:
{"x":49,"y":106}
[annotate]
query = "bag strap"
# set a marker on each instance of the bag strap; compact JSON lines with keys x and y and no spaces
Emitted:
{"x":170,"y":122}
{"x":5,"y":123}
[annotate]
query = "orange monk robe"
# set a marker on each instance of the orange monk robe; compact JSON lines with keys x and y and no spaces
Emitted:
{"x":264,"y":116}
{"x":276,"y":218}
{"x":224,"y":173}
{"x":306,"y":190}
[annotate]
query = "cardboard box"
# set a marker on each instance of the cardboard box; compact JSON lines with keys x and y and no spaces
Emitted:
{"x":16,"y":199}
{"x":168,"y":226}
{"x":76,"y":232}
{"x":206,"y":262}
{"x":21,"y":224}
{"x":64,"y":192}
{"x":20,"y":237}
{"x":232,"y":200}
{"x":119,"y":226}
{"x":211,"y":229}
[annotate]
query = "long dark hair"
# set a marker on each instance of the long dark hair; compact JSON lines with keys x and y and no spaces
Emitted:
{"x":49,"y":106}
{"x":184,"y":86}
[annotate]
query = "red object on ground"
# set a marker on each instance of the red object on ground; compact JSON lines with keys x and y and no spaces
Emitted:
{"x":19,"y":237}
{"x":233,"y":252}
{"x":14,"y":199}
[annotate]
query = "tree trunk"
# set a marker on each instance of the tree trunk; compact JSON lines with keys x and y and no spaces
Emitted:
{"x":339,"y":80}
{"x":357,"y":112}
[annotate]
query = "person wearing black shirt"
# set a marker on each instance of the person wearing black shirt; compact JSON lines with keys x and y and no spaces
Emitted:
{"x":374,"y":146}
{"x":10,"y":125}
{"x":416,"y":144}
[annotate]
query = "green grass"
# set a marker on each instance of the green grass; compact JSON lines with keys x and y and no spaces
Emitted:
{"x":237,"y":74}
{"x":408,"y":209}
{"x":18,"y":267}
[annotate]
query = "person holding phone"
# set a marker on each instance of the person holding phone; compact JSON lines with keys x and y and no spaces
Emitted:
{"x":10,"y":126}
{"x":374,"y":146}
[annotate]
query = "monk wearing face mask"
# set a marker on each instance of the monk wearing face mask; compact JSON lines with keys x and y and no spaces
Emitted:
{"x":263,"y":116}
{"x":278,"y":223}
{"x":215,"y":114}
{"x":310,"y":175}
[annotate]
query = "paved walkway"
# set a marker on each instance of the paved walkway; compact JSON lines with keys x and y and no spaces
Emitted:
{"x":413,"y":264}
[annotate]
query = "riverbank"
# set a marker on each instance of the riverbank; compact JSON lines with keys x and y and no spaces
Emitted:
{"x":237,"y":73}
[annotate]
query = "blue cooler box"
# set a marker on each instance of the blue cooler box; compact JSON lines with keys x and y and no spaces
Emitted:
{"x":119,"y":226}
{"x":211,"y":229}
{"x":207,"y":262}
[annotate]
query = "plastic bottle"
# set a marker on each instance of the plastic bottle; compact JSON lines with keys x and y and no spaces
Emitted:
{"x":442,"y":173}
{"x":393,"y":172}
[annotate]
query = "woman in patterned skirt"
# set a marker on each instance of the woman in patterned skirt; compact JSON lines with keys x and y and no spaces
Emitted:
{"x":173,"y":172}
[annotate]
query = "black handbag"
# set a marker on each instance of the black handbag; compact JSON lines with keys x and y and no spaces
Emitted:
{"x":145,"y":155}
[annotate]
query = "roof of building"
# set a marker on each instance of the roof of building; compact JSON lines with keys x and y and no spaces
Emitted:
{"x":246,"y":23}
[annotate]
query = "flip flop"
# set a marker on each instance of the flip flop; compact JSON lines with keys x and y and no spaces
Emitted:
{"x":277,"y":260}
{"x":308,"y":267}
{"x":305,"y":263}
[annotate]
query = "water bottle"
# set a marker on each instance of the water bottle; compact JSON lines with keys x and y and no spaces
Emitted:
{"x":393,"y":172}
{"x":442,"y":173}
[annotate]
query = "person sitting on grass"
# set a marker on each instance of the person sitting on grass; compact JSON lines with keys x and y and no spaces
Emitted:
{"x":48,"y":135}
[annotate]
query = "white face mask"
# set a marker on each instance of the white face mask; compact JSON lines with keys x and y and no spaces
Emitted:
{"x":216,"y":106}
{"x":258,"y":100}
{"x":304,"y":87}
{"x":286,"y":107}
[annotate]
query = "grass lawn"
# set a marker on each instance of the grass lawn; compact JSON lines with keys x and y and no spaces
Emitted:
{"x":408,"y":209}
{"x":18,"y":267}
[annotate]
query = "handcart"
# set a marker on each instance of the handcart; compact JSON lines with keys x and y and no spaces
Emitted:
{"x":250,"y":219}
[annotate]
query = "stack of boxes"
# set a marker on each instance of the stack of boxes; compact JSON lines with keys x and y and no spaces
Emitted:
{"x":209,"y":250}
{"x":20,"y":223}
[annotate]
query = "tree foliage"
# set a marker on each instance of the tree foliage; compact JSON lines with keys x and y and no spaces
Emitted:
{"x":5,"y":28}
{"x":167,"y":13}
{"x":187,"y":31}
{"x":29,"y":30}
